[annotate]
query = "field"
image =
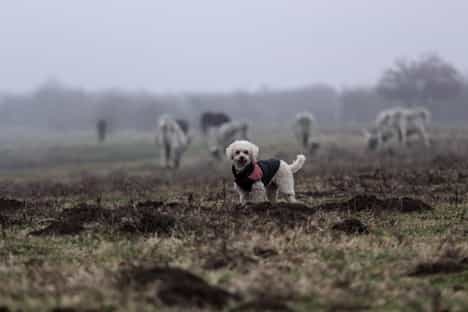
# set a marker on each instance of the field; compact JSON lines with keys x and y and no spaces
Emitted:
{"x":104,"y":228}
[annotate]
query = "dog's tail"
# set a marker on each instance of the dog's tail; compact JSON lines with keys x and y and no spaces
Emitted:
{"x":298,"y":163}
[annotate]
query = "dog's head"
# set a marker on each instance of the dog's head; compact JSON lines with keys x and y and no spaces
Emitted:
{"x":242,"y":153}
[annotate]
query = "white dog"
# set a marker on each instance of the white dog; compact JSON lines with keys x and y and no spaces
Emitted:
{"x":305,"y":130}
{"x":173,"y":141}
{"x":259,"y":180}
{"x":400,"y":123}
{"x":226,"y":134}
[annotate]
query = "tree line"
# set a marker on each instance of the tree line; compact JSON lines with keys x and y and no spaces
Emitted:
{"x":428,"y":81}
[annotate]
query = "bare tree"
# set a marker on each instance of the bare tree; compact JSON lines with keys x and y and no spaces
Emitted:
{"x":421,"y":81}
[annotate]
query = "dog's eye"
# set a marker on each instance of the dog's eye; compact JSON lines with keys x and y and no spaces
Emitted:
{"x":237,"y":152}
{"x":247,"y":152}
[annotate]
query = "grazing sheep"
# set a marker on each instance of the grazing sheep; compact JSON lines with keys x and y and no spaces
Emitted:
{"x":398,"y":123}
{"x":414,"y":123}
{"x":173,"y":140}
{"x":210,"y":120}
{"x":184,"y":125}
{"x":305,"y":130}
{"x":226,"y":134}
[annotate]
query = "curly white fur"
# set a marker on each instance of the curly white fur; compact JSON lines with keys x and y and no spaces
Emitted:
{"x":242,"y":153}
{"x":173,"y":141}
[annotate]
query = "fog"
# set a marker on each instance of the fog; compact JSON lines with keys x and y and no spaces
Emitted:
{"x":65,"y":65}
{"x":207,"y":45}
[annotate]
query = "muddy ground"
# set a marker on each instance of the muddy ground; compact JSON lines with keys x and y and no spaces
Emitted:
{"x":379,"y":232}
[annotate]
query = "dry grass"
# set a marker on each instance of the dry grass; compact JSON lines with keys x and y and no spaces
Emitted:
{"x":138,"y":238}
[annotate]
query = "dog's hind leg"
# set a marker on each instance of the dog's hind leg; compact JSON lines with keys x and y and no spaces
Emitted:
{"x":272,"y":192}
{"x":286,"y":186}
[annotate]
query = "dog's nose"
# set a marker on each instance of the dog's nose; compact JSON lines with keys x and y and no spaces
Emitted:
{"x":242,"y":158}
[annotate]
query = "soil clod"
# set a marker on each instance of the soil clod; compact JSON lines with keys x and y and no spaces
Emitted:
{"x":263,"y":252}
{"x":264,"y":304}
{"x":351,"y":226}
{"x":59,"y":228}
{"x":285,"y":215}
{"x":180,"y":288}
{"x":441,"y":266}
{"x":149,"y":223}
{"x":10,"y":205}
{"x":371,"y":202}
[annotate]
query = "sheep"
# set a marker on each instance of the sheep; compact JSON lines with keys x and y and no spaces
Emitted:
{"x":400,"y":123}
{"x":173,"y":140}
{"x":226,"y":134}
{"x":305,"y":131}
{"x":184,"y":125}
{"x":211,"y":120}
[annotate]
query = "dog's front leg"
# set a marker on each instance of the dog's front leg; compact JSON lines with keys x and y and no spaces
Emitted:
{"x":258,"y":193}
{"x":272,"y":192}
{"x":291,"y":198}
{"x":243,"y":198}
{"x":242,"y":195}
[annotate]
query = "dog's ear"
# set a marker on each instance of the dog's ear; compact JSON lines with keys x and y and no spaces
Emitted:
{"x":229,"y":151}
{"x":254,"y":149}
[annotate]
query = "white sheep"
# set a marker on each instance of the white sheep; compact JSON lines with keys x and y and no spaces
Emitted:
{"x":305,"y":131}
{"x":173,"y":140}
{"x":226,"y":134}
{"x":399,"y":123}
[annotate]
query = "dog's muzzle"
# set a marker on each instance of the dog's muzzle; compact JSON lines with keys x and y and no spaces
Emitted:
{"x":242,"y":160}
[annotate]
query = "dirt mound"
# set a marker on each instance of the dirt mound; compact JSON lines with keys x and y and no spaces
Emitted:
{"x":4,"y":220}
{"x":441,"y":266}
{"x":189,"y":295}
{"x":264,"y":304}
{"x":284,"y":214}
{"x":371,"y":202}
{"x":72,"y":221}
{"x":146,"y":217}
{"x":267,"y":207}
{"x":10,"y":205}
{"x":148,"y":223}
{"x":85,"y":213}
{"x":179,"y":287}
{"x":141,"y":218}
{"x":149,"y":204}
{"x":7,"y":221}
{"x":59,"y":228}
{"x":351,"y":226}
{"x":407,"y":204}
{"x":71,"y":309}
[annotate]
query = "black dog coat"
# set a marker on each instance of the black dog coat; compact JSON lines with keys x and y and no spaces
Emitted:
{"x":263,"y":170}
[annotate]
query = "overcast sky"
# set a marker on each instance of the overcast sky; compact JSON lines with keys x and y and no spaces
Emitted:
{"x":208,"y":45}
